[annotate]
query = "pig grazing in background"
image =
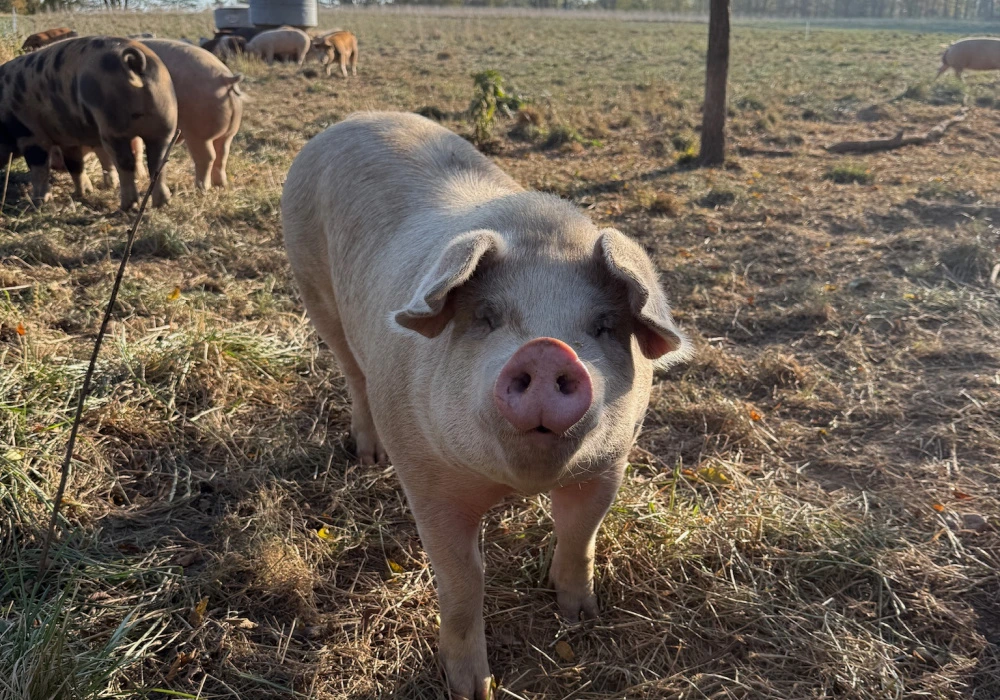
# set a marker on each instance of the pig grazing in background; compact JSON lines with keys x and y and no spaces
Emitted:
{"x":494,"y":341}
{"x":286,"y":42}
{"x":87,"y":92}
{"x":230,"y":46}
{"x":337,"y":46}
{"x":979,"y":53}
{"x":49,"y":36}
{"x":209,"y":106}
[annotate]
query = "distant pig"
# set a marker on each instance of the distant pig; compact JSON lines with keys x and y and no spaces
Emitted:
{"x":87,"y":92}
{"x":338,"y":46}
{"x":49,"y":36}
{"x":284,"y":42}
{"x":209,"y":106}
{"x":494,"y":341}
{"x":230,"y":46}
{"x":981,"y":53}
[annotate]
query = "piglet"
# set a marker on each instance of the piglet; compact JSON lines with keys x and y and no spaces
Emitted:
{"x":494,"y":342}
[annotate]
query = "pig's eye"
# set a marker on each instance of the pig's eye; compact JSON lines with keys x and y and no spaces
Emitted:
{"x":605,"y":325}
{"x":488,"y":317}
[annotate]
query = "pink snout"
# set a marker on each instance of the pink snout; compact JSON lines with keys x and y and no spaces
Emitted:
{"x":543,"y":387}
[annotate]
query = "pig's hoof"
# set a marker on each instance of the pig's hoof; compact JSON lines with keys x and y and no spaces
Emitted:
{"x":469,"y":678}
{"x":573,"y":604}
{"x":368,"y":447}
{"x":161,"y":198}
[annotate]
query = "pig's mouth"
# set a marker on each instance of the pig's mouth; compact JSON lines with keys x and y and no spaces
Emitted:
{"x":542,"y":430}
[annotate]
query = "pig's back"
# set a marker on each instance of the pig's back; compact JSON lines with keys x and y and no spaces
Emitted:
{"x":371,"y":202}
{"x":381,"y":185}
{"x":977,"y":53}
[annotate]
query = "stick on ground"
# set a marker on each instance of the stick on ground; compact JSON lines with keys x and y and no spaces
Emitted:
{"x":897,"y":141}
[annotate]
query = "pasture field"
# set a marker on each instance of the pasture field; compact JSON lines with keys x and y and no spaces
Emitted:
{"x":811,"y":511}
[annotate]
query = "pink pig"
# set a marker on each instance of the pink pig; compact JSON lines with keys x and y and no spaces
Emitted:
{"x":494,"y":341}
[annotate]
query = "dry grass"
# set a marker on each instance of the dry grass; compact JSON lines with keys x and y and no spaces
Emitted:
{"x":810,"y":511}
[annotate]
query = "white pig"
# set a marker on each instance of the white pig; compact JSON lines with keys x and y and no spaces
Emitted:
{"x":494,"y":341}
{"x":979,"y":53}
{"x":286,"y":42}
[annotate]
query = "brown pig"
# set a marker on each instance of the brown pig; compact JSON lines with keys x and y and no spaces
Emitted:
{"x":87,"y":92}
{"x":494,"y":341}
{"x":286,"y":41}
{"x":49,"y":36}
{"x":339,"y":46}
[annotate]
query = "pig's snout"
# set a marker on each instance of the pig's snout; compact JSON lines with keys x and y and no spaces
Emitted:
{"x":543,"y":388}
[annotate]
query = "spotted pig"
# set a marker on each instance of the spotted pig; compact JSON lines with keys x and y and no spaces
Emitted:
{"x":87,"y":92}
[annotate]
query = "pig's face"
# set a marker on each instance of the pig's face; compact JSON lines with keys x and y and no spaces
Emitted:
{"x":543,"y":359}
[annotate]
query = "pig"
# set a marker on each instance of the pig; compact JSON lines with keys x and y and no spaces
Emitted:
{"x":209,"y":111}
{"x":340,"y":46}
{"x":286,"y":41}
{"x":493,"y":339}
{"x":229,"y":46}
{"x":209,"y":106}
{"x":49,"y":36}
{"x":977,"y":53}
{"x":87,"y":92}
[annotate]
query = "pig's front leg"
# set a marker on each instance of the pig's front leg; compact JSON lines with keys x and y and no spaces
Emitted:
{"x":578,"y":511}
{"x":448,"y":518}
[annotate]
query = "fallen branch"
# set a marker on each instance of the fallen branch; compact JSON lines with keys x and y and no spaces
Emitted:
{"x":765,"y":152}
{"x":897,"y":141}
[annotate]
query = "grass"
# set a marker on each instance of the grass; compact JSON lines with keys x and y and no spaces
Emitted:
{"x":810,"y":510}
{"x":848,"y":173}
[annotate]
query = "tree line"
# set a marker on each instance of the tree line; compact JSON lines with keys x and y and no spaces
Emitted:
{"x":886,"y":9}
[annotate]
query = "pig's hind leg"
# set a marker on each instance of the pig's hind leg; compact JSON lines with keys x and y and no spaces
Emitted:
{"x":326,"y":318}
{"x":578,"y":511}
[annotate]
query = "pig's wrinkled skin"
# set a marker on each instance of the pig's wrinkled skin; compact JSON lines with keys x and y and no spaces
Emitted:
{"x":209,"y":107}
{"x":494,"y":341}
{"x":978,"y":53}
{"x":286,"y":41}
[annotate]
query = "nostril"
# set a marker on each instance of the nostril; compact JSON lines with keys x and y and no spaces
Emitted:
{"x":566,"y":385}
{"x":520,"y":383}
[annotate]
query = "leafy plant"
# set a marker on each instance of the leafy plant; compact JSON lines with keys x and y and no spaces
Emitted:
{"x":490,"y":97}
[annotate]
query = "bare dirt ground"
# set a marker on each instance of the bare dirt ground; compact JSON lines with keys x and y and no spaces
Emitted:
{"x":810,"y":512}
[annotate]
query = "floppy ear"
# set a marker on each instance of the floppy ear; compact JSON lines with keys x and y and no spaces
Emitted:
{"x":658,"y":336}
{"x":430,"y":309}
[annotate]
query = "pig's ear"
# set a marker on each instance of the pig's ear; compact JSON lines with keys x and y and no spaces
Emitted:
{"x":658,"y":336}
{"x":430,"y":309}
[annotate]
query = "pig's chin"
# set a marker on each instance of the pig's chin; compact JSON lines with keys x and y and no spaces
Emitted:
{"x":539,"y":459}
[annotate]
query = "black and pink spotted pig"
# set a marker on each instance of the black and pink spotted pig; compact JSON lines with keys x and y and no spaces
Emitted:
{"x":88,"y":92}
